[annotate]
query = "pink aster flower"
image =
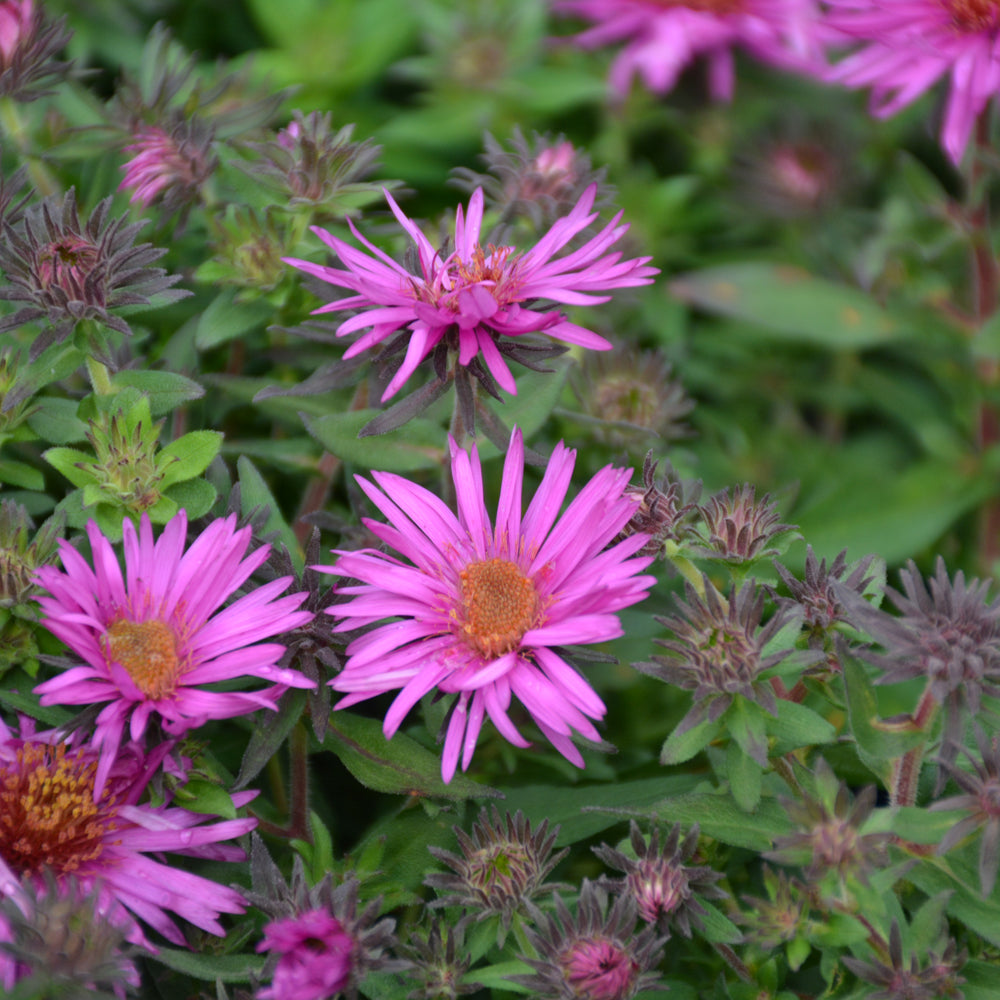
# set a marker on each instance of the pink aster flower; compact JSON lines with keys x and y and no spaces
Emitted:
{"x":479,"y":609}
{"x":477,"y":295}
{"x":315,"y":956}
{"x":664,"y":36}
{"x":154,"y":639}
{"x":53,"y":819}
{"x":911,"y":44}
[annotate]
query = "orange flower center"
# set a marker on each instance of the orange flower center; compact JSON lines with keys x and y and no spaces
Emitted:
{"x":148,"y":652}
{"x":48,"y":816}
{"x":973,"y":15}
{"x":500,"y":604}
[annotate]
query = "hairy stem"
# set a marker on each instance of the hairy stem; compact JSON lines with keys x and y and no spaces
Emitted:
{"x":906,"y":769}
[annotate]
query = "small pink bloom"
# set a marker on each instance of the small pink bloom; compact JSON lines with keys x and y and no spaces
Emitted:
{"x":662,"y":37}
{"x":154,"y":639}
{"x":162,"y":162}
{"x":909,"y":45}
{"x":480,"y":609}
{"x":106,"y":840}
{"x":315,"y":956}
{"x":598,"y":968}
{"x":476,"y":294}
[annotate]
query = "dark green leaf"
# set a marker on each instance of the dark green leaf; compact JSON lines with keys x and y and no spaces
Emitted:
{"x":419,"y":445}
{"x":400,"y":766}
{"x":210,"y":967}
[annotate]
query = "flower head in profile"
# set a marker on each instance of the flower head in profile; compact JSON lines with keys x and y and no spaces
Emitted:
{"x":477,"y":300}
{"x":65,"y":270}
{"x":593,"y":954}
{"x":662,"y":37}
{"x":55,"y":822}
{"x":480,"y":609}
{"x":155,"y":638}
{"x":664,"y":887}
{"x":907,"y":46}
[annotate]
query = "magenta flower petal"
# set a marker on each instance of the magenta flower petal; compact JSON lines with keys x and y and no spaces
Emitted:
{"x":478,"y":613}
{"x":907,"y":46}
{"x":662,"y":39}
{"x":477,"y":294}
{"x":152,"y":635}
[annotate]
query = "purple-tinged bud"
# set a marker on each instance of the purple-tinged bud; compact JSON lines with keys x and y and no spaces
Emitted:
{"x":739,"y":528}
{"x":28,"y":45}
{"x":594,"y":954}
{"x":663,"y":509}
{"x":663,"y":886}
{"x":167,"y":165}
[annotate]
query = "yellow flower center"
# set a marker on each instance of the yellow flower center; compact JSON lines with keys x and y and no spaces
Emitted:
{"x":148,"y":652}
{"x":48,"y":816}
{"x":499,"y":603}
{"x":973,"y":15}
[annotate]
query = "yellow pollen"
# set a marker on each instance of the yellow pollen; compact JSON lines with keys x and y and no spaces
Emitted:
{"x":148,"y":652}
{"x":499,"y":604}
{"x":48,"y":816}
{"x":973,"y":15}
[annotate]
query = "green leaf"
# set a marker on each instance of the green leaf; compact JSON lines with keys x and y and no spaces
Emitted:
{"x":682,"y":747}
{"x":207,"y":798}
{"x":195,"y":496}
{"x":496,"y":977}
{"x":56,"y":421}
{"x":418,"y":445}
{"x":51,"y":715}
{"x":66,"y":461}
{"x":965,"y":903}
{"x":791,"y":305}
{"x":798,"y":726}
{"x":584,"y":810}
{"x":720,"y":817}
{"x":226,"y":319}
{"x":981,"y":981}
{"x":877,"y":745}
{"x":22,"y":475}
{"x":187,"y":457}
{"x":717,"y":927}
{"x":744,"y":774}
{"x":166,"y":390}
{"x":210,"y":967}
{"x":746,"y":722}
{"x":254,"y":492}
{"x":400,"y":766}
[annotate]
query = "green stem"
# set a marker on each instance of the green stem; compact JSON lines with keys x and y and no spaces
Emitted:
{"x":685,"y":567}
{"x":100,"y":378}
{"x":14,"y":128}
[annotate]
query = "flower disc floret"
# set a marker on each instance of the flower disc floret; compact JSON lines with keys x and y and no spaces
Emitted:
{"x":479,"y":609}
{"x":476,"y":297}
{"x":153,"y":639}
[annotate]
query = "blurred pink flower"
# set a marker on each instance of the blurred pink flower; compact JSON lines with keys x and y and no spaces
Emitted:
{"x":476,"y":294}
{"x":169,"y":164}
{"x":911,"y":44}
{"x":479,"y":610}
{"x":152,"y":639}
{"x":314,"y":956}
{"x":53,"y":819}
{"x":662,"y":37}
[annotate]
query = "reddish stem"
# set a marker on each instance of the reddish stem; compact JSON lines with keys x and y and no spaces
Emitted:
{"x":906,"y":769}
